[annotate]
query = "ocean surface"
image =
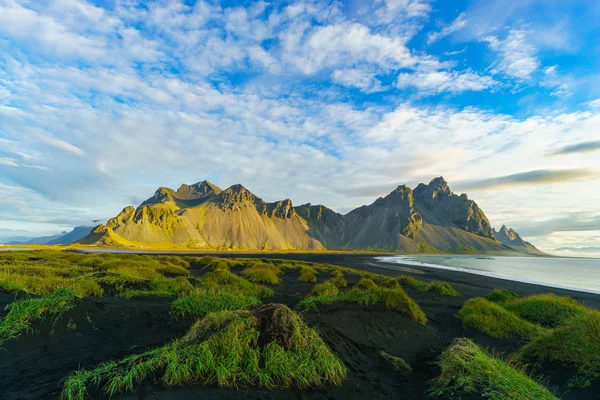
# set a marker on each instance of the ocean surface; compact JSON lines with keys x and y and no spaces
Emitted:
{"x":582,"y":274}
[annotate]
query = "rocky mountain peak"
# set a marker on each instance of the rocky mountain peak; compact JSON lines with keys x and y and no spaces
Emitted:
{"x":197,"y":190}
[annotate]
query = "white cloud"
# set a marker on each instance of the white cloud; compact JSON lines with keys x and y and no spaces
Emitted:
{"x":554,"y":82}
{"x":517,"y":57}
{"x":62,"y":145}
{"x":444,"y":81}
{"x":458,"y":24}
{"x":595,"y":103}
{"x":355,"y":78}
{"x":8,"y":162}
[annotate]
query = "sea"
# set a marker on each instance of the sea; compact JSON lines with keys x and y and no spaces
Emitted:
{"x":581,"y":274}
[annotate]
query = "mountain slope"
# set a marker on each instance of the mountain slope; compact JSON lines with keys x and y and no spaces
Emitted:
{"x":513,"y":240}
{"x":79,"y":232}
{"x":428,"y":218}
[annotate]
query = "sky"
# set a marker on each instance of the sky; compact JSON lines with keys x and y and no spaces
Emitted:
{"x":328,"y":102}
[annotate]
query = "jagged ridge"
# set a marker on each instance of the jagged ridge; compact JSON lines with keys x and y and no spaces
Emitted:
{"x":430,"y":217}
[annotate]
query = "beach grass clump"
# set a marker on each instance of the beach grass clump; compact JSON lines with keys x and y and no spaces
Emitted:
{"x":268,"y":347}
{"x":575,"y":343}
{"x":548,"y":310}
{"x":412,"y":283}
{"x":443,"y":288}
{"x":501,"y":296}
{"x":397,"y":363}
{"x":338,"y":279}
{"x":395,"y":299}
{"x":387,"y":282}
{"x":326,"y":289}
{"x":469,"y":370}
{"x":308,"y":275}
{"x":263,"y":273}
{"x":366,"y":283}
{"x":23,"y":313}
{"x":497,"y":322}
{"x":225,"y":281}
{"x":200,"y":303}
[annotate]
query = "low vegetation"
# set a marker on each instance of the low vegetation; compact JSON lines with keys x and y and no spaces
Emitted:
{"x":547,"y":310}
{"x":442,"y":288}
{"x":395,"y":299}
{"x":201,"y":303}
{"x":308,"y":274}
{"x":268,"y":347}
{"x":396,"y":362}
{"x":575,"y":343}
{"x":327,"y":289}
{"x":467,"y":369}
{"x":501,"y":296}
{"x":494,"y":320}
{"x":22,"y":314}
{"x":263,"y":273}
{"x":338,"y":279}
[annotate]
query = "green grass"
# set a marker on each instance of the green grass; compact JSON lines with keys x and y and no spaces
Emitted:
{"x":270,"y":347}
{"x":308,"y":274}
{"x":469,"y":370}
{"x":443,"y":288}
{"x":395,"y":299}
{"x":366,"y":283}
{"x":337,"y":278}
{"x":501,"y":296}
{"x":575,"y":343}
{"x":327,"y":289}
{"x":547,"y":310}
{"x":199,"y":304}
{"x":226,"y":281}
{"x":492,"y":319}
{"x":263,"y":273}
{"x":23,"y":313}
{"x":396,"y":362}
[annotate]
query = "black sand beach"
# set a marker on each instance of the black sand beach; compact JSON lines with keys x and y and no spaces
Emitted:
{"x":34,"y":366}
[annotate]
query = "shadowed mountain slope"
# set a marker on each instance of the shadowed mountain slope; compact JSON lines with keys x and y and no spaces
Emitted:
{"x":428,"y":218}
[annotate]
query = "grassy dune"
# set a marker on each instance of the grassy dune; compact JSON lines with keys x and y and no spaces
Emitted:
{"x":270,"y":347}
{"x":467,"y":369}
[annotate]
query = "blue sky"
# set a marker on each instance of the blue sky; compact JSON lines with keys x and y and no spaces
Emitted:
{"x":330,"y":102}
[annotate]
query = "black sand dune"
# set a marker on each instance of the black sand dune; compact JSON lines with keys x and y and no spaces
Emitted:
{"x":102,"y":329}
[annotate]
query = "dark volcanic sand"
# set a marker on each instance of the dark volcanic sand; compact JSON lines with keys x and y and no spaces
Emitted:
{"x":34,"y":365}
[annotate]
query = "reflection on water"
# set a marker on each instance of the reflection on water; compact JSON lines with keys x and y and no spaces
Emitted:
{"x":569,"y":273}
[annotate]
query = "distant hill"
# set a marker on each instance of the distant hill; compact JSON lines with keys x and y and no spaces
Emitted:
{"x":429,"y":218}
{"x":76,"y":234}
{"x":512,"y":239}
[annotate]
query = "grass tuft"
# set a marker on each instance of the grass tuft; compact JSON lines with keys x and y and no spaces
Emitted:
{"x":199,"y":304}
{"x":547,"y":310}
{"x":366,"y":283}
{"x":395,"y":299}
{"x":443,"y":288}
{"x":327,"y":289}
{"x":263,"y":273}
{"x":467,"y":369}
{"x":413,"y":283}
{"x":490,"y":318}
{"x":396,"y":362}
{"x":308,"y":274}
{"x":501,"y":296}
{"x":575,"y":343}
{"x":269,"y":347}
{"x":23,"y":313}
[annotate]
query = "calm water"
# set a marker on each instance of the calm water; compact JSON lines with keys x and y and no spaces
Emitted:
{"x":568,"y":273}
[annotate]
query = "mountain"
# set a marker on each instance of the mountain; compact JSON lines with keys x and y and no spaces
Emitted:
{"x":79,"y":232}
{"x":429,"y":218}
{"x":512,"y":239}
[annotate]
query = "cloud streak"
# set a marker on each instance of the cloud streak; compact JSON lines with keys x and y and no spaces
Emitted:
{"x":585,"y":147}
{"x":538,"y":177}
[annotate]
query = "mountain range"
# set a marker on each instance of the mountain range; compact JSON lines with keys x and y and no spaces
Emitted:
{"x":74,"y":235}
{"x":429,"y":218}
